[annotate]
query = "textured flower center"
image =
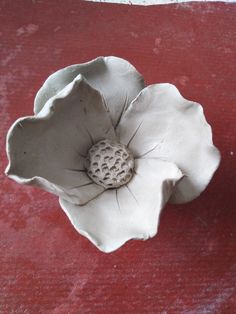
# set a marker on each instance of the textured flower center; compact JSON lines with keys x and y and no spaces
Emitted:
{"x":110,"y":164}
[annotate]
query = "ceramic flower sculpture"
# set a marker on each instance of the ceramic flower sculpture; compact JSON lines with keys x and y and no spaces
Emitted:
{"x":113,"y":150}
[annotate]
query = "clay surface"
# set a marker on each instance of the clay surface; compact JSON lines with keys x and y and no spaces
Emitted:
{"x":110,"y":164}
{"x":114,"y":152}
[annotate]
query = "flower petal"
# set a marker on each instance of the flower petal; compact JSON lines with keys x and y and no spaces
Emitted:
{"x":116,"y":79}
{"x":130,"y":212}
{"x":160,"y":123}
{"x":49,"y":149}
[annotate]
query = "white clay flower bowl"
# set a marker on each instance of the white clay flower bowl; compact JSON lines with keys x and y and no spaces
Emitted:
{"x":113,"y":150}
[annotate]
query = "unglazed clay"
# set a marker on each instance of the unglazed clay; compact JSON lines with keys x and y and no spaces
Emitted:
{"x":113,"y":150}
{"x":110,"y":164}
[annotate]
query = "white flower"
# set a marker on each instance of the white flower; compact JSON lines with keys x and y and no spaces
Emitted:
{"x":114,"y":151}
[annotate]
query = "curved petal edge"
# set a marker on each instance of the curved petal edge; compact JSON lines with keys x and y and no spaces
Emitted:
{"x":115,"y":78}
{"x":130,"y":212}
{"x":160,"y":123}
{"x":40,"y":153}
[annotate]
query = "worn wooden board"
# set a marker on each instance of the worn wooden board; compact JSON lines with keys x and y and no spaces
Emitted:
{"x":190,"y":267}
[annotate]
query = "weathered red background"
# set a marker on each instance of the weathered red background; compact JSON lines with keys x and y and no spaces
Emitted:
{"x":190,"y":266}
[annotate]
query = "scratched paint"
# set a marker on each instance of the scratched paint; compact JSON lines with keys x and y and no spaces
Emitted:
{"x":27,"y":30}
{"x":156,"y":2}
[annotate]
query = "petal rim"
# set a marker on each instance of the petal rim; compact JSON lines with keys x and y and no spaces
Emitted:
{"x":40,"y":181}
{"x":106,"y":65}
{"x":171,"y":90}
{"x":114,"y":227}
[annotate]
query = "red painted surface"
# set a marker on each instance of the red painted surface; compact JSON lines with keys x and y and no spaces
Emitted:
{"x":190,"y":267}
